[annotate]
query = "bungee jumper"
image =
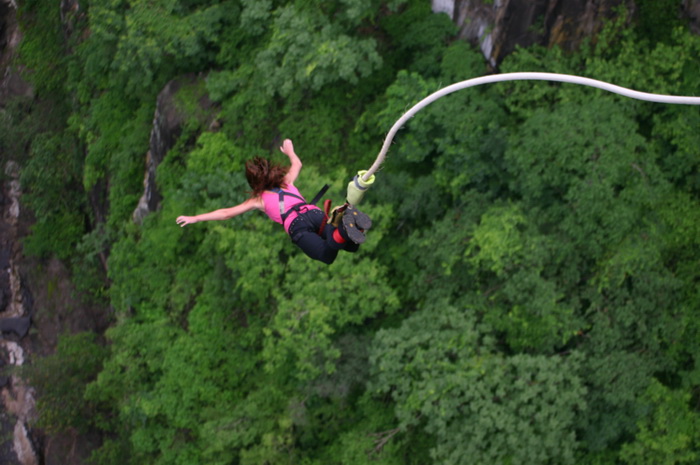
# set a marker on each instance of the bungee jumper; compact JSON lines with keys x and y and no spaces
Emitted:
{"x":321,"y":234}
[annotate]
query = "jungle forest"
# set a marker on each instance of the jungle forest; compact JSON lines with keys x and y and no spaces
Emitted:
{"x":528,"y":293}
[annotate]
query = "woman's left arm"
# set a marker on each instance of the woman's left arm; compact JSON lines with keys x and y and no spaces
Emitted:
{"x":254,"y":203}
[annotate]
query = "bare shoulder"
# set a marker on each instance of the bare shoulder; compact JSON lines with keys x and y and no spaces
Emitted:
{"x":255,"y":203}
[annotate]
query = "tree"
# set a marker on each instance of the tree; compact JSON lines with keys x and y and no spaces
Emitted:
{"x":308,"y":51}
{"x":669,"y":435}
{"x":444,"y":374}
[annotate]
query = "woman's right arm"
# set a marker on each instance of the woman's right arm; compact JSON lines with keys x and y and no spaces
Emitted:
{"x":254,"y":203}
{"x":288,"y":149}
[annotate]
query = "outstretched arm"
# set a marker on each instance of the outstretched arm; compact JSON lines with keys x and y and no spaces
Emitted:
{"x":288,"y":149}
{"x":254,"y":203}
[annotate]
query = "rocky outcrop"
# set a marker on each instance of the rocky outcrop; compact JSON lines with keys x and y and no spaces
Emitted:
{"x":498,"y":26}
{"x":71,"y":12}
{"x":17,"y":398}
{"x":691,"y":8}
{"x":17,"y":409}
{"x":11,"y":82}
{"x":180,"y":99}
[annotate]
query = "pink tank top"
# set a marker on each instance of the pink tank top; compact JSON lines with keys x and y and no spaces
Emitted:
{"x":272,"y":205}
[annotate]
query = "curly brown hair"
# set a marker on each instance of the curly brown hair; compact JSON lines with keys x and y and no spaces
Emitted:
{"x":264,"y":175}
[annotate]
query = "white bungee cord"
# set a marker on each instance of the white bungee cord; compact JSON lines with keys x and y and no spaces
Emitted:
{"x":674,"y":99}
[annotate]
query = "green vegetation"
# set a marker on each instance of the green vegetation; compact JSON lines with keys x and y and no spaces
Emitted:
{"x":528,"y":293}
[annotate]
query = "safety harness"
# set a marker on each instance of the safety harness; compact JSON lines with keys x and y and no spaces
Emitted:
{"x":297,"y":208}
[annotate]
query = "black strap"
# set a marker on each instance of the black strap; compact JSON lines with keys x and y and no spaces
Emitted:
{"x":284,"y":214}
{"x":318,"y":196}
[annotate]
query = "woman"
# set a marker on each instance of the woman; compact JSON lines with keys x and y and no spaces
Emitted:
{"x":274,"y":193}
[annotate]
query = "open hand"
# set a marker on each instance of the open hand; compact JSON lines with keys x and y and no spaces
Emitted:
{"x":287,"y":147}
{"x":185,"y":220}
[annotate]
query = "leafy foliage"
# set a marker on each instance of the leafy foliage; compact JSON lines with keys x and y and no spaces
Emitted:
{"x":669,"y":434}
{"x":305,"y":50}
{"x":441,"y":368}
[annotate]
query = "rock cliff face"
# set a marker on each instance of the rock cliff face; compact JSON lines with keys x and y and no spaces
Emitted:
{"x":17,"y":399}
{"x":17,"y":407}
{"x":498,"y":26}
{"x":170,"y":115}
{"x":691,"y":9}
{"x":11,"y":83}
{"x":167,"y":126}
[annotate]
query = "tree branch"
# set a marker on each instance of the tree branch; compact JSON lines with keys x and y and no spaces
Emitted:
{"x":381,"y":439}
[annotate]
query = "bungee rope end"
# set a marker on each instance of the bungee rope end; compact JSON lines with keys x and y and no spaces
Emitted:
{"x":524,"y":76}
{"x":358,"y":186}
